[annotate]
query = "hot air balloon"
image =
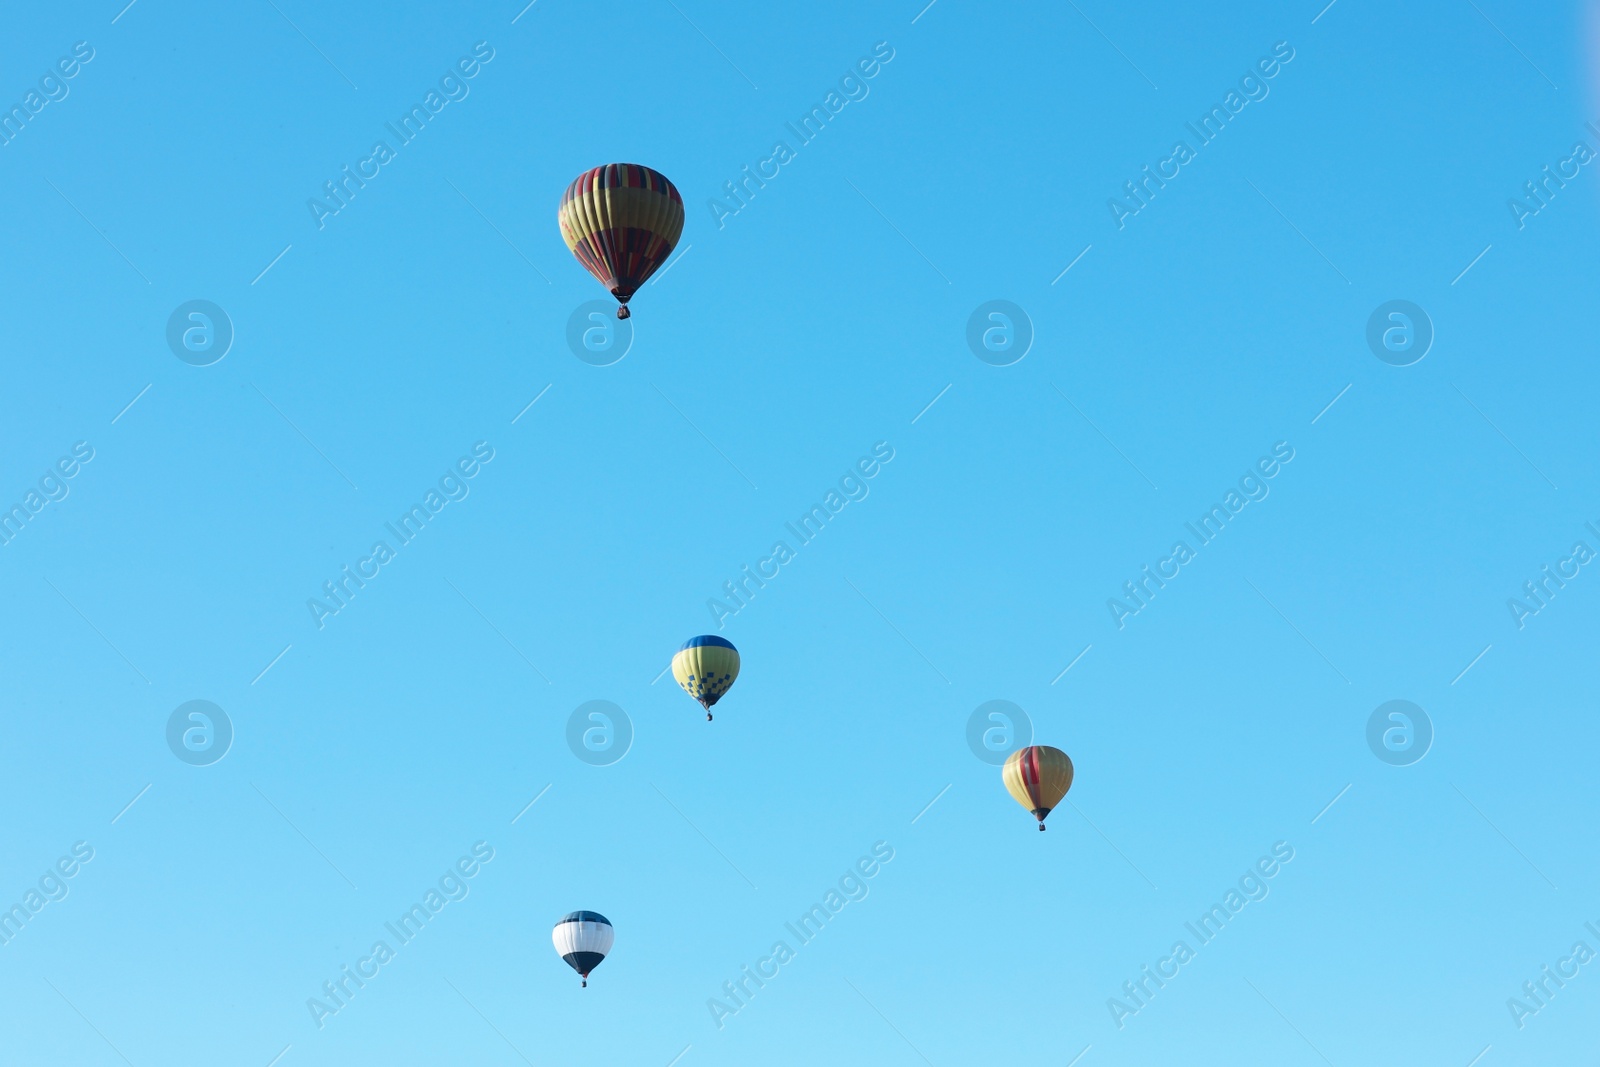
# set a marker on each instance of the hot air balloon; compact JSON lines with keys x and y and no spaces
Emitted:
{"x":583,"y":938}
{"x":1038,"y":776}
{"x":621,"y":221}
{"x":706,"y":666}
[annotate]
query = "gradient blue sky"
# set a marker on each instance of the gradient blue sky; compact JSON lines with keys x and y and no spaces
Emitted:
{"x":820,"y":320}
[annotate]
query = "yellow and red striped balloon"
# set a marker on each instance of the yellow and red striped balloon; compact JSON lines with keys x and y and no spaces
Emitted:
{"x":1038,"y":777}
{"x":621,"y":221}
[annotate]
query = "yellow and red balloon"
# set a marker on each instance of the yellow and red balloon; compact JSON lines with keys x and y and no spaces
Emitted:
{"x":621,"y":221}
{"x":1038,"y":777}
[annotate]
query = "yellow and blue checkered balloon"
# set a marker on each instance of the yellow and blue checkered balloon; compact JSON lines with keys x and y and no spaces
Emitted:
{"x":706,"y":667}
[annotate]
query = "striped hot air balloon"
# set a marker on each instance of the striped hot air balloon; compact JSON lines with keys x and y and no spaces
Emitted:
{"x":621,"y":221}
{"x":1038,"y":777}
{"x":706,"y":666}
{"x":583,"y":938}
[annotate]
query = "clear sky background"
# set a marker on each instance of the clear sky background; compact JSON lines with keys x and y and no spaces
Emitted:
{"x":784,"y":344}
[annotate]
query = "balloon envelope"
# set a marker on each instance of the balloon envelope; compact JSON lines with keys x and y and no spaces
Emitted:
{"x":621,"y":221}
{"x":583,"y":938}
{"x":706,"y":667}
{"x":1038,"y":777}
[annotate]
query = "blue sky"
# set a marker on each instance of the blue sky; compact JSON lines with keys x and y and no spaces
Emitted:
{"x":424,"y":324}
